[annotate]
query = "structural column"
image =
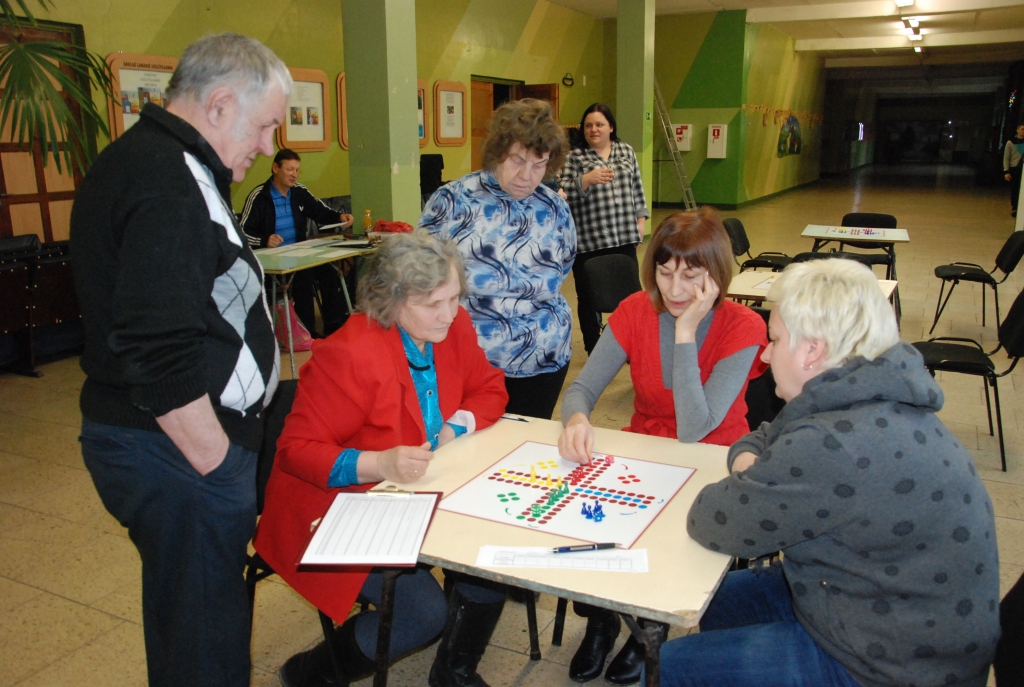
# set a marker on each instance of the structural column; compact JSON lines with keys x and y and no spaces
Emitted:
{"x":634,"y":97}
{"x":380,"y":70}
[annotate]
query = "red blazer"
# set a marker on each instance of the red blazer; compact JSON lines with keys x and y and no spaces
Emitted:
{"x":356,"y":392}
{"x":635,"y":326}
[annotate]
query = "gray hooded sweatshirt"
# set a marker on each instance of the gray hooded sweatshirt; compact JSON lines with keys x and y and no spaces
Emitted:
{"x":887,"y":531}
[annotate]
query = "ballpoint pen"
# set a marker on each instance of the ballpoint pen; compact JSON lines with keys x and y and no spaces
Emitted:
{"x":583,"y":547}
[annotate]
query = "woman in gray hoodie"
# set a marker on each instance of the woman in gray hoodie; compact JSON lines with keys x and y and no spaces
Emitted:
{"x":890,"y":572}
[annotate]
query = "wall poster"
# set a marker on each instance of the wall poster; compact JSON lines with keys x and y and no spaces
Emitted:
{"x":138,"y":79}
{"x":449,"y":113}
{"x":422,"y":112}
{"x":307,"y":122}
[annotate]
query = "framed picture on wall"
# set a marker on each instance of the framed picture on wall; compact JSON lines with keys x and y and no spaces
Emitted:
{"x":422,"y":112}
{"x":449,"y":113}
{"x":138,"y":79}
{"x":342,"y":112}
{"x":307,"y":123}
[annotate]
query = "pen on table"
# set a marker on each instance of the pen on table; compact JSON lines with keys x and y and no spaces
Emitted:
{"x":584,"y":547}
{"x":514,"y":418}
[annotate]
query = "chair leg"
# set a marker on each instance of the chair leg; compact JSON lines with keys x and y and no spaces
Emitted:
{"x":941,"y":304}
{"x":531,"y":623}
{"x":983,"y":308}
{"x":999,"y":423}
{"x":988,"y":406}
{"x":995,"y":297}
{"x":556,"y":636}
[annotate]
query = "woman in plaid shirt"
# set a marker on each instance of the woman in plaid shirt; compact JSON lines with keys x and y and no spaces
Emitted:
{"x":602,"y":181}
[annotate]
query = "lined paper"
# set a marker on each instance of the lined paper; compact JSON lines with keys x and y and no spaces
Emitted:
{"x":371,"y":529}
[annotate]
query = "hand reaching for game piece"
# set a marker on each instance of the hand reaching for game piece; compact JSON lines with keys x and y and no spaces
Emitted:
{"x":576,"y":442}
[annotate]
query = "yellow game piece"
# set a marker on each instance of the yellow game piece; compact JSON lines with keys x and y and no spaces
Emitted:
{"x":559,"y":483}
{"x":533,"y":474}
{"x":547,"y":482}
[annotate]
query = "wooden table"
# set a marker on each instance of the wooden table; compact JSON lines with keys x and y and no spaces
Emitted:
{"x":753,"y":286}
{"x":682,"y":577}
{"x":283,"y":262}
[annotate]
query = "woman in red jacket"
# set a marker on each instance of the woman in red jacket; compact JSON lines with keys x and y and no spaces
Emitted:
{"x":691,"y":354}
{"x":401,"y":378}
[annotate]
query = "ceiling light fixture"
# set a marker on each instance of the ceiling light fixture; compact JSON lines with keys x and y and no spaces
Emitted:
{"x":917,"y":48}
{"x":904,"y":3}
{"x":915,"y":36}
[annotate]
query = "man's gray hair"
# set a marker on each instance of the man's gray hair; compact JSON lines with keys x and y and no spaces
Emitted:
{"x":238,"y":62}
{"x":406,"y":266}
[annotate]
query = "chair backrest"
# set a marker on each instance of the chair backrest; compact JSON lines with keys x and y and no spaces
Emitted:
{"x":737,"y":234}
{"x":273,"y":425}
{"x":875,"y":220}
{"x":1011,"y":252}
{"x":821,"y":255}
{"x":612,"y":278}
{"x":1011,"y":330}
{"x":431,"y":166}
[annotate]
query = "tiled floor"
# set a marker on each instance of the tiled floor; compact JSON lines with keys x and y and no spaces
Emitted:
{"x":70,"y":611}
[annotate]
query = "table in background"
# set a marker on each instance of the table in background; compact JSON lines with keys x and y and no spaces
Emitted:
{"x":279,"y":264}
{"x":886,"y":238}
{"x":753,"y":286}
{"x":682,"y":577}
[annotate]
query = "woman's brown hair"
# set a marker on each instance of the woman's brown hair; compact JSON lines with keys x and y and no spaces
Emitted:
{"x":698,"y":239}
{"x":531,"y":124}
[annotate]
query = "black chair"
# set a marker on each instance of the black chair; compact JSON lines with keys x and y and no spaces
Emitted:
{"x":612,"y":279}
{"x":256,"y":568}
{"x":1009,"y":661}
{"x":966,"y":356}
{"x":1006,"y":262}
{"x":841,"y":255}
{"x":875,"y":220}
{"x":776,"y":262}
{"x":763,"y":404}
{"x":431,"y":166}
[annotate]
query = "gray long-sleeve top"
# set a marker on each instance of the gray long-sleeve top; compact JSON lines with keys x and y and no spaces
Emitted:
{"x":888,"y":532}
{"x":700,"y":408}
{"x":1011,"y":156}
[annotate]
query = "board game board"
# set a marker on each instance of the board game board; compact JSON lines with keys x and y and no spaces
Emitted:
{"x":613,"y":499}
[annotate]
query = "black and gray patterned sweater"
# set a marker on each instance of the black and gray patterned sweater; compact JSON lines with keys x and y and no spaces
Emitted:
{"x":887,"y":531}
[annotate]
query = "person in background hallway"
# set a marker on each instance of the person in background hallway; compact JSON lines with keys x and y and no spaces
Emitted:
{"x":180,"y":357}
{"x":604,"y":190}
{"x":1012,"y":155}
{"x":691,"y":354}
{"x":275,"y":214}
{"x":519,"y":241}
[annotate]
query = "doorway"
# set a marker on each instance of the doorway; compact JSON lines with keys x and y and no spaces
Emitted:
{"x":488,"y":94}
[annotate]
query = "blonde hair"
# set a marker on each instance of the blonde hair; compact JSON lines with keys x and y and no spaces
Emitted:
{"x":837,"y":301}
{"x":405,"y":266}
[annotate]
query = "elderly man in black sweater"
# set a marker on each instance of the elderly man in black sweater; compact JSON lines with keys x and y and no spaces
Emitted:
{"x":180,"y":355}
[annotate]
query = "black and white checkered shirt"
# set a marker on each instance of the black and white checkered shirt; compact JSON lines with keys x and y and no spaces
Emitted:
{"x":605,"y":214}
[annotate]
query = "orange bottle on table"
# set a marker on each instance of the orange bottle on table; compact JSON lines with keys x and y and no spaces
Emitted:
{"x":367,"y":222}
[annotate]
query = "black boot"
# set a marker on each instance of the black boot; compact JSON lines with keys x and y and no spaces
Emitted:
{"x":625,"y":668}
{"x":466,"y":635}
{"x":602,"y":629}
{"x":314,"y":668}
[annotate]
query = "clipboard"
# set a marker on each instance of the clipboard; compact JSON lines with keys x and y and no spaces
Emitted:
{"x":381,"y":527}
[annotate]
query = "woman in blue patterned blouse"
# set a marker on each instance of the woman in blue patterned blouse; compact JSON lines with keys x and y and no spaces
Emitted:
{"x":519,"y":242}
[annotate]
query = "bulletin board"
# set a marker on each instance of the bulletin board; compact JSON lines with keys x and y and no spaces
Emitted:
{"x":449,"y":113}
{"x":138,"y":79}
{"x":307,"y":122}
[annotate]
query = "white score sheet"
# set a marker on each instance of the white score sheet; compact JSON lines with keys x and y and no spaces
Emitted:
{"x":371,"y":529}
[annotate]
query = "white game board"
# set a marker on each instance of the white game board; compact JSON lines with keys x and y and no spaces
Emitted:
{"x":534,"y":487}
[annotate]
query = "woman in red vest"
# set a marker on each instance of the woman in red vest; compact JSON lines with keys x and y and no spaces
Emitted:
{"x":691,"y":354}
{"x":402,"y":377}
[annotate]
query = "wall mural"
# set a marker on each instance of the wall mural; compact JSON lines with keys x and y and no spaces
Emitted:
{"x":790,"y":142}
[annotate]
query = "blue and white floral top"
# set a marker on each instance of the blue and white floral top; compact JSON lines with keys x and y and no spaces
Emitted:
{"x":518,"y":254}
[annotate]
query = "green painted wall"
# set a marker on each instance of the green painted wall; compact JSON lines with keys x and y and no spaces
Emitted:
{"x":529,"y":40}
{"x":713,"y":68}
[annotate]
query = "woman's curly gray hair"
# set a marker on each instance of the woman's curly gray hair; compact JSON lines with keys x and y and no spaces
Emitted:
{"x":403,"y":267}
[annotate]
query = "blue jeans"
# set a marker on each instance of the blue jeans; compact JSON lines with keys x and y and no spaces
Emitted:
{"x":191,"y":532}
{"x":750,"y":636}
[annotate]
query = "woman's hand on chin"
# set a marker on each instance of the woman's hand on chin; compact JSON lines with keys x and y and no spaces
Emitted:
{"x":577,"y":439}
{"x":703,"y":300}
{"x":400,"y":464}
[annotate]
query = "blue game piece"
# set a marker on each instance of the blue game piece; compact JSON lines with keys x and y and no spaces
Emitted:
{"x":587,"y":512}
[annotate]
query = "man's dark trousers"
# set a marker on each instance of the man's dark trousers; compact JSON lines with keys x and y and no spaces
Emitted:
{"x":191,"y":533}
